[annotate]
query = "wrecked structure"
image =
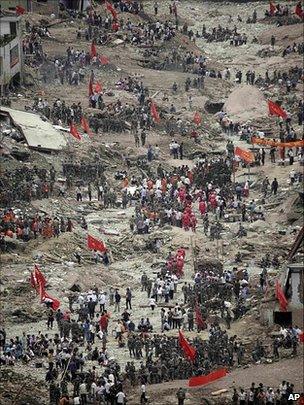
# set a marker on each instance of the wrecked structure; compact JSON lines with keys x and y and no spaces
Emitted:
{"x":39,"y":134}
{"x":10,"y":51}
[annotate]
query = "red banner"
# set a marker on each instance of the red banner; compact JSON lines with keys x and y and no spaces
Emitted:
{"x":206,"y":379}
{"x":104,"y":60}
{"x":37,"y":278}
{"x":55,"y":304}
{"x":269,"y":142}
{"x":275,"y":109}
{"x":85,"y":126}
{"x":98,"y":87}
{"x":279,"y":293}
{"x":199,"y":318}
{"x":154,"y":112}
{"x":74,"y":132}
{"x":95,"y":244}
{"x":244,"y":154}
{"x":20,"y":10}
{"x":91,"y":91}
{"x":111,"y":9}
{"x":38,"y":282}
{"x":272,"y":8}
{"x":189,"y":351}
{"x":298,"y":10}
{"x":93,"y":50}
{"x":197,"y":119}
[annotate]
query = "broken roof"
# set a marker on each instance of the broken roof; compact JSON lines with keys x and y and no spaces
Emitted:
{"x":39,"y":134}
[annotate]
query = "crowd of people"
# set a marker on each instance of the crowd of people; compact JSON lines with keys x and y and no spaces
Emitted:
{"x":73,"y":347}
{"x":261,"y":394}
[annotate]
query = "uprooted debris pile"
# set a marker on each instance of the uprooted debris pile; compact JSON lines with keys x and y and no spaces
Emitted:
{"x":18,"y":389}
{"x":20,"y":294}
{"x":203,"y":263}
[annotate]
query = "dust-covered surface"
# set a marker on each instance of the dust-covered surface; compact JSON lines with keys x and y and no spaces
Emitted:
{"x":132,"y":254}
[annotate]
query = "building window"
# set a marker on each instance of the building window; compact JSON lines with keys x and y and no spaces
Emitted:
{"x":13,"y":28}
{"x":14,"y":56}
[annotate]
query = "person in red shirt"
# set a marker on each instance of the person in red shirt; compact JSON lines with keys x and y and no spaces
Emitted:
{"x":202,"y":207}
{"x":104,"y":322}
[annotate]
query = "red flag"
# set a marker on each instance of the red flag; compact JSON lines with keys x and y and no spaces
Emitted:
{"x":33,"y":280}
{"x":301,"y":337}
{"x":41,"y":291}
{"x":55,"y":303}
{"x":154,"y":112}
{"x":91,"y":91}
{"x":98,"y":88}
{"x":104,"y":60}
{"x":95,"y":244}
{"x":20,"y":10}
{"x":272,"y":8}
{"x":197,"y":119}
{"x":244,"y":154}
{"x":298,"y":10}
{"x":74,"y":132}
{"x":93,"y":50}
{"x":111,"y":9}
{"x":206,"y":379}
{"x":279,"y":293}
{"x":199,"y":319}
{"x":189,"y":351}
{"x":85,"y":126}
{"x":275,"y":109}
{"x":39,"y":276}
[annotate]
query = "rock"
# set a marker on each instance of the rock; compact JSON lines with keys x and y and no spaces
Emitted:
{"x":246,"y":102}
{"x":219,"y":392}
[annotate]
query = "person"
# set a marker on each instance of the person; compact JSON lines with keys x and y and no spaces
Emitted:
{"x":128,"y":298}
{"x":152,"y":303}
{"x":155,"y":8}
{"x":272,"y":154}
{"x":242,"y":397}
{"x":50,"y":319}
{"x":143,"y":398}
{"x":181,"y":396}
{"x":274,"y":186}
{"x":291,"y":157}
{"x":105,"y":259}
{"x":117,"y":298}
{"x":120,"y":398}
{"x":263,"y":156}
{"x":64,"y":400}
{"x":272,"y":41}
{"x":235,"y":397}
{"x":78,"y":194}
{"x":83,"y":392}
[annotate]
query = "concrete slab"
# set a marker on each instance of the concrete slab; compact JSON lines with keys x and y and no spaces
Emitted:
{"x":39,"y":134}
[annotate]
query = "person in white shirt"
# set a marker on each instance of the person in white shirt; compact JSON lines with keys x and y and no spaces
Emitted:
{"x":120,"y":398}
{"x":242,"y":397}
{"x":83,"y":392}
{"x":143,"y":398}
{"x":102,"y":301}
{"x":152,"y":303}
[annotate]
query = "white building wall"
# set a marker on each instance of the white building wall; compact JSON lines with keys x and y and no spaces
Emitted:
{"x":11,"y":62}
